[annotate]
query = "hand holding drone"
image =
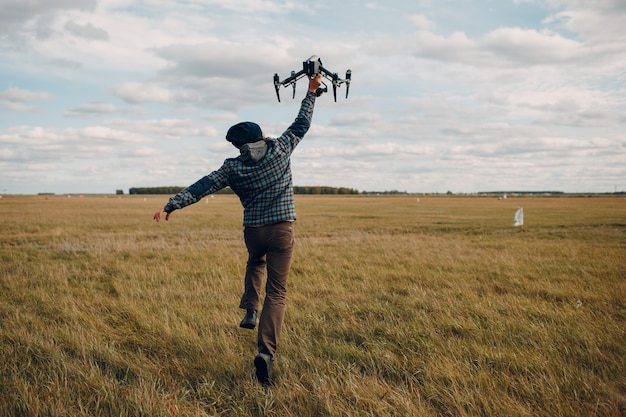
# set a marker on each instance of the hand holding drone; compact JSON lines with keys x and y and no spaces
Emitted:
{"x":311,"y":68}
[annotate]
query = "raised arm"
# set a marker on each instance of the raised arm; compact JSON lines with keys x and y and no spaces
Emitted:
{"x":300,"y":126}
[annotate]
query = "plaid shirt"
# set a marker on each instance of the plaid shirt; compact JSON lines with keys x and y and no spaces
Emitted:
{"x":265,"y":189}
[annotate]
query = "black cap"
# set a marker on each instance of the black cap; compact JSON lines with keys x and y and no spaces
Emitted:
{"x":244,"y":132}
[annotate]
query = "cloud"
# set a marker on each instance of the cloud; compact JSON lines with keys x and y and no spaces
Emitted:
{"x":598,"y":20}
{"x":505,"y":47}
{"x":218,"y":58}
{"x":90,"y":109}
{"x":69,"y":141}
{"x":164,"y":128}
{"x":532,"y":47}
{"x":17,"y":94}
{"x":593,"y":37}
{"x":88,"y":158}
{"x":134,"y":92}
{"x":87,"y":31}
{"x":181,"y":92}
{"x":354,"y":119}
{"x":15,"y":14}
{"x":222,"y":117}
{"x":269,"y":7}
{"x":421,"y":21}
{"x":15,"y":99}
{"x":65,"y":63}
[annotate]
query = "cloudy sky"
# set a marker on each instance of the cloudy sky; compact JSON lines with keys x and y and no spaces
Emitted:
{"x":447,"y":95}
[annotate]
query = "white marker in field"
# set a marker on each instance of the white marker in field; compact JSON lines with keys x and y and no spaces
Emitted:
{"x":518,"y":220}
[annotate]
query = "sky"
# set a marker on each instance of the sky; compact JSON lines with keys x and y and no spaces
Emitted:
{"x":462,"y":96}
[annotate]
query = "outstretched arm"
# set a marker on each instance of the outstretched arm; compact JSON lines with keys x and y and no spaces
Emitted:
{"x":300,"y":126}
{"x":209,"y":184}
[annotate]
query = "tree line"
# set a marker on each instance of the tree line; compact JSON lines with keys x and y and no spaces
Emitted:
{"x":296,"y":189}
{"x":323,"y":190}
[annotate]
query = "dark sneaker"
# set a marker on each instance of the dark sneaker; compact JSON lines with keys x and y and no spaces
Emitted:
{"x":249,"y":321}
{"x":263,"y":364}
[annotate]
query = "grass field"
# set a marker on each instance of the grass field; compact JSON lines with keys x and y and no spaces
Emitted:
{"x":395,"y":308}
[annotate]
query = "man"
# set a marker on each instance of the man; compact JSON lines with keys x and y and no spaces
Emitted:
{"x":261,"y":177}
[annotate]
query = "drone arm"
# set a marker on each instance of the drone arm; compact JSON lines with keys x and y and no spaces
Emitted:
{"x":293,"y":78}
{"x":326,"y":73}
{"x":332,"y":76}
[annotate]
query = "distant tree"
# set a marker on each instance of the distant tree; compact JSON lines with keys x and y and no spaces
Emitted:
{"x":228,"y":190}
{"x":391,"y":192}
{"x":167,"y":190}
{"x":154,"y":190}
{"x":119,"y":192}
{"x":298,"y":189}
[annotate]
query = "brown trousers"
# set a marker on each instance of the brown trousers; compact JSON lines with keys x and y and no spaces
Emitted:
{"x":269,"y":247}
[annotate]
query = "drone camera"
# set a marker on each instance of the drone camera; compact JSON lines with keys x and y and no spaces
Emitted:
{"x":312,"y":66}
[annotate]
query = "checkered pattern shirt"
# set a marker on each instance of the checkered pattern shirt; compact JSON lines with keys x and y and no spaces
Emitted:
{"x":265,"y":189}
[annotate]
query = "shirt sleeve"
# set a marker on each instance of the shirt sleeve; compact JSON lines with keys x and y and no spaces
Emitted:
{"x":294,"y":133}
{"x":206,"y":185}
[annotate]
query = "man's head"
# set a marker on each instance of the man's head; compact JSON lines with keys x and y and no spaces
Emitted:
{"x":244,"y":132}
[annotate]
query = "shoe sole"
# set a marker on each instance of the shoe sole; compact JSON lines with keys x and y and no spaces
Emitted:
{"x":262,"y":372}
{"x":247,"y":325}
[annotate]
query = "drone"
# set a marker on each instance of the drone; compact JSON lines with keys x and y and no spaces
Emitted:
{"x":311,"y":68}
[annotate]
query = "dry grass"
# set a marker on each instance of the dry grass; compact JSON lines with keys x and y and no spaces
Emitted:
{"x":396,"y":308}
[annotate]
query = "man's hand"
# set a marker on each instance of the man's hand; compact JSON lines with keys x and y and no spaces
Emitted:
{"x":158,"y":214}
{"x":315,"y":83}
